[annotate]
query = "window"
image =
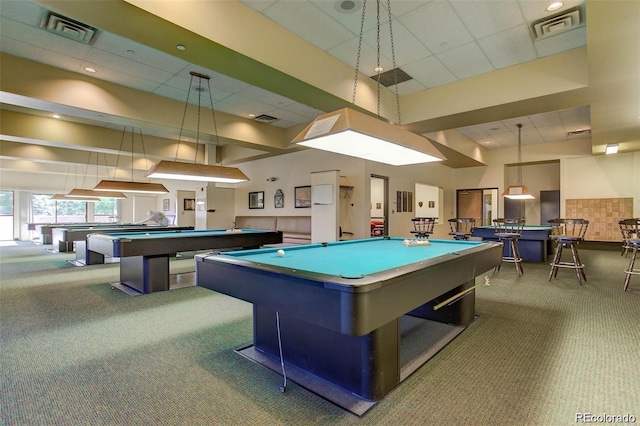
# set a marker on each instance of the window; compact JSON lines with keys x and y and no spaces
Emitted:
{"x":46,"y":210}
{"x":6,"y":215}
{"x":106,"y":210}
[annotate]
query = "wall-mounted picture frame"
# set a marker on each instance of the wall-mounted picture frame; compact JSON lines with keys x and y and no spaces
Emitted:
{"x":278,"y":199}
{"x":166,"y":205}
{"x":256,"y":200}
{"x":302,"y":196}
{"x":189,"y":204}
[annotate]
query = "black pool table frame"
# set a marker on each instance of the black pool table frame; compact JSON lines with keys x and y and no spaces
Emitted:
{"x":144,"y":262}
{"x":341,"y":338}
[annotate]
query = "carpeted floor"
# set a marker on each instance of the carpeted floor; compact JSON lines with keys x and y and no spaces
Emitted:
{"x":76,"y":352}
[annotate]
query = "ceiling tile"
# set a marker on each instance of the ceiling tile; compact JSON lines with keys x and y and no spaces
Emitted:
{"x":102,"y":58}
{"x":509,"y":48}
{"x":306,"y":21}
{"x":484,"y":18}
{"x":562,"y":42}
{"x":430,"y":72}
{"x":437,"y":26}
{"x":466,"y":61}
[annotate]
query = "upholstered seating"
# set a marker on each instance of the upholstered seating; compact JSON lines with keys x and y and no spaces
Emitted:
{"x":461,"y":227}
{"x":423,"y":226}
{"x":572,"y":233}
{"x":508,"y":231}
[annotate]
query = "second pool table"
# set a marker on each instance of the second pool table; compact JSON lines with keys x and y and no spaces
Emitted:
{"x":144,"y":256}
{"x":534,"y":245}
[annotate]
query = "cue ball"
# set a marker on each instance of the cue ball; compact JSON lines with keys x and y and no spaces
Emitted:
{"x":147,"y":234}
{"x":280,"y":252}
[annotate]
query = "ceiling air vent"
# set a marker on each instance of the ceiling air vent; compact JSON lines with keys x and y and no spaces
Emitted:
{"x":67,"y":27}
{"x":581,"y":132}
{"x":391,"y":77}
{"x":264,"y":118}
{"x":559,"y":23}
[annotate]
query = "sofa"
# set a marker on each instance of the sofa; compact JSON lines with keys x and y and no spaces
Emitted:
{"x":296,"y":230}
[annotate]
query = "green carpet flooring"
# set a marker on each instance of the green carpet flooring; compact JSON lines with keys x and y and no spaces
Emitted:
{"x":74,"y":352}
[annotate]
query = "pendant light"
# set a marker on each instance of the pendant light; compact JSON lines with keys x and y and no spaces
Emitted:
{"x":519,"y":191}
{"x":192,"y":171}
{"x":350,"y":132}
{"x":79,"y":192}
{"x":126,"y":186}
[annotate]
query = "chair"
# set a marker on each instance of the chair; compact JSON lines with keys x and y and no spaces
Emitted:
{"x":508,"y":231}
{"x":572,"y":233}
{"x":632,"y":244}
{"x":630,"y":229}
{"x":423,"y":226}
{"x":461,"y":227}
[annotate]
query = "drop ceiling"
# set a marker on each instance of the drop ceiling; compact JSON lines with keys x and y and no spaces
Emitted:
{"x":438,"y":43}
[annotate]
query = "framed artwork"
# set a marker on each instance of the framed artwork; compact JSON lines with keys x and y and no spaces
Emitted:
{"x":278,"y":199}
{"x":302,"y":196}
{"x":189,"y":203}
{"x":166,"y":205}
{"x":256,"y":200}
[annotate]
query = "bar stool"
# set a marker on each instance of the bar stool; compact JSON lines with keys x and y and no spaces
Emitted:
{"x":573,"y":231}
{"x":508,"y":232}
{"x":634,"y":245}
{"x":630,"y":229}
{"x":461,"y":227}
{"x":423,"y":226}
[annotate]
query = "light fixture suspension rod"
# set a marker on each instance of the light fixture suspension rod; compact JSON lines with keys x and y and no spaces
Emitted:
{"x":378,"y":67}
{"x":519,"y":154}
{"x":395,"y":67}
{"x":355,"y":79}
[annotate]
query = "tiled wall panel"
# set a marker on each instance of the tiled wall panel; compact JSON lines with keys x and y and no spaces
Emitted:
{"x":603,"y":215}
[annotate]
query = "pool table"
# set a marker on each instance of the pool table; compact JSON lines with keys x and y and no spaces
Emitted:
{"x":144,"y":256}
{"x":63,"y":238}
{"x":534,"y":245}
{"x":338,"y":307}
{"x":46,"y":229}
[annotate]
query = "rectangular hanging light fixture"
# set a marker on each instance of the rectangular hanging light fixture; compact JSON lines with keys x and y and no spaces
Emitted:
{"x":349,"y":132}
{"x":198,"y":172}
{"x":99,"y":194}
{"x":518,"y":192}
{"x":64,"y":197}
{"x":124,"y":186}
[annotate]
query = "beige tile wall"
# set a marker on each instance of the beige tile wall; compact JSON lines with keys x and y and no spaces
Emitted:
{"x":603,"y":215}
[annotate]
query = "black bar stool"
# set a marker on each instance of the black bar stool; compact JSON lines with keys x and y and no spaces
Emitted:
{"x":630,"y":229}
{"x":572,"y":233}
{"x":423,"y":226}
{"x":509,"y":231}
{"x":634,"y":246}
{"x":461,"y":227}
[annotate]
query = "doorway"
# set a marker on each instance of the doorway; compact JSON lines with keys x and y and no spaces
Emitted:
{"x":379,"y":216}
{"x":480,"y":204}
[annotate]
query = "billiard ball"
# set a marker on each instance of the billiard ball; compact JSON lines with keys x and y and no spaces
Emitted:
{"x":147,"y":234}
{"x":280,"y":252}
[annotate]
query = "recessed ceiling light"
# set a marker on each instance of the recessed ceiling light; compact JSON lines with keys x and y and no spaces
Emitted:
{"x":55,"y":115}
{"x":181,"y":47}
{"x":89,"y":69}
{"x":252,"y":115}
{"x":554,"y":6}
{"x":131,"y":52}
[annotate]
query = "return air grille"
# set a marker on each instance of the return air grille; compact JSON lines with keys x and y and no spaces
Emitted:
{"x":560,"y":23}
{"x":67,"y":27}
{"x":391,"y":77}
{"x":264,"y":118}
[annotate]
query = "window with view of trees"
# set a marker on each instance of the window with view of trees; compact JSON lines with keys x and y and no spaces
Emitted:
{"x":6,"y":215}
{"x":106,"y":210}
{"x":46,"y":210}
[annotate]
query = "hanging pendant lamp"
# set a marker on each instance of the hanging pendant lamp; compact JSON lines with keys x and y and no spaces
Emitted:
{"x":192,"y":171}
{"x":519,"y":191}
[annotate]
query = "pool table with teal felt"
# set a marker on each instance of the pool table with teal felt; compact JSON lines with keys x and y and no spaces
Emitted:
{"x":534,"y":245}
{"x":337,"y":306}
{"x":144,"y":256}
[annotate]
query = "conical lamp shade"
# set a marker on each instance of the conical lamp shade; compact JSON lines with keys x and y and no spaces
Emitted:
{"x":198,"y":172}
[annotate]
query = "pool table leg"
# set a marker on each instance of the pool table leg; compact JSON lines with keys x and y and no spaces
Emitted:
{"x":146,"y":274}
{"x":367,"y":366}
